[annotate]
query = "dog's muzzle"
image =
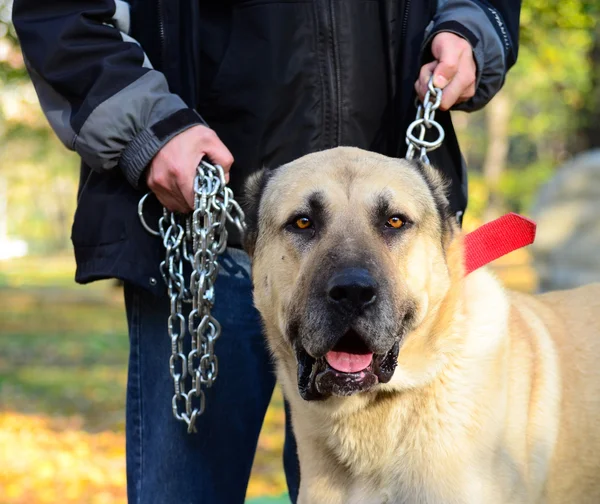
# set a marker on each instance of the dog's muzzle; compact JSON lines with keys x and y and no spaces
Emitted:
{"x":351,"y":342}
{"x":344,"y":371}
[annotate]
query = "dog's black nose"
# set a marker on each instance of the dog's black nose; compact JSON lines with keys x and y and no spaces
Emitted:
{"x":352,"y":288}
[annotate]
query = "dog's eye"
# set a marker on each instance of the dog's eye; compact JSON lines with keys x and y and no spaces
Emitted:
{"x":394,"y":222}
{"x":302,"y":223}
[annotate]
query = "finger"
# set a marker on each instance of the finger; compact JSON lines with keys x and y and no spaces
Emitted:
{"x":458,"y":88}
{"x":166,"y":188}
{"x":448,"y":55}
{"x":219,"y":154}
{"x":172,"y":203}
{"x":185,"y":188}
{"x":423,"y":81}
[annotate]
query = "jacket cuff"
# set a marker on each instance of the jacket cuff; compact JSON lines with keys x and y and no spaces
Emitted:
{"x":141,"y":150}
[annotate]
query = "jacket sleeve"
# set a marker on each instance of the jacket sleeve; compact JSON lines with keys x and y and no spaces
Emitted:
{"x":96,"y":86}
{"x":492,"y":28}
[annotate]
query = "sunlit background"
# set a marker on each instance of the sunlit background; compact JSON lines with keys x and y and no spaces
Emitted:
{"x":63,"y":347}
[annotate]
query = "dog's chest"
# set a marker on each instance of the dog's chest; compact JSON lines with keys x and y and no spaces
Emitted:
{"x":388,"y":465}
{"x":360,"y":492}
{"x":356,"y":446}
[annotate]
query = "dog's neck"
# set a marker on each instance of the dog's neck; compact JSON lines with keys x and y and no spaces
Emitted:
{"x":414,"y":422}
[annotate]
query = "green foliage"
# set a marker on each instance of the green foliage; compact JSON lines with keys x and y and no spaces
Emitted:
{"x":540,"y":17}
{"x":10,"y":74}
{"x":63,"y":352}
{"x":519,"y":186}
{"x":547,"y":89}
{"x":552,"y":72}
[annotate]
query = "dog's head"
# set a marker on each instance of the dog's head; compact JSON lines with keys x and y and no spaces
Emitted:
{"x":349,"y":256}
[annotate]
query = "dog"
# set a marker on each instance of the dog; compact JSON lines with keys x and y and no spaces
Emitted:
{"x":409,"y":381}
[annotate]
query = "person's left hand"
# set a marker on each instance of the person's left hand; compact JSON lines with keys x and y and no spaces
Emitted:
{"x":454,"y":70}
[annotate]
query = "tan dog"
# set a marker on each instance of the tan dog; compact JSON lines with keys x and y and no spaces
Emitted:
{"x":409,"y":382}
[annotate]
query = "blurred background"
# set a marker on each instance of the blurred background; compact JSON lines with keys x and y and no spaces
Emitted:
{"x":63,"y":347}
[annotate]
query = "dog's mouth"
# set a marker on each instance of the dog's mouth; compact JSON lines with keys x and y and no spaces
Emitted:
{"x":349,"y":367}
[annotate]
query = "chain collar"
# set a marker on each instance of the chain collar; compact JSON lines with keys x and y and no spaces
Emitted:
{"x":198,"y":240}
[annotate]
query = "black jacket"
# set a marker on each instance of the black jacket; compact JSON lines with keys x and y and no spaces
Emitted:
{"x":274,"y":79}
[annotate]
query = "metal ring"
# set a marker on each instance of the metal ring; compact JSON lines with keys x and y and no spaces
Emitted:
{"x":141,"y":215}
{"x":424,"y":143}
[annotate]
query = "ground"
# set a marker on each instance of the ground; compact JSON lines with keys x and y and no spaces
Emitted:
{"x":62,"y":380}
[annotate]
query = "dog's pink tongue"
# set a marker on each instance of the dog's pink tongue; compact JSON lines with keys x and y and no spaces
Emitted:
{"x":348,"y":362}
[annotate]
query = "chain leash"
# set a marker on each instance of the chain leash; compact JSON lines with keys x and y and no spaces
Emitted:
{"x":425,"y":121}
{"x":198,"y":240}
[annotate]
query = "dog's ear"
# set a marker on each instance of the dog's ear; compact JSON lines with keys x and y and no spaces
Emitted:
{"x":254,"y":188}
{"x":439,"y":186}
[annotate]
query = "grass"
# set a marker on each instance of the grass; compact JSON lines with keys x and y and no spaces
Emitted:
{"x":63,"y":365}
{"x":63,"y":362}
{"x":62,"y":377}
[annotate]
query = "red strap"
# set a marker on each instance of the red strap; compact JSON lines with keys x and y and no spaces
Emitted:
{"x":497,"y":238}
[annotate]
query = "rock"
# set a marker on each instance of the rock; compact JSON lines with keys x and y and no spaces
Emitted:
{"x":566,"y":251}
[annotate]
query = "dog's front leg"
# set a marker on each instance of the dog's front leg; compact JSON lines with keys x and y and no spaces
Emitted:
{"x":319,"y":492}
{"x":322,"y":479}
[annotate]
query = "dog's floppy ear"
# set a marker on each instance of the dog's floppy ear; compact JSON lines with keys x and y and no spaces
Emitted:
{"x":439,"y":186}
{"x":254,"y":188}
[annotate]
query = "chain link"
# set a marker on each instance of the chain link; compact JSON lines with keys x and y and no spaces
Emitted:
{"x":425,"y":121}
{"x":198,"y":240}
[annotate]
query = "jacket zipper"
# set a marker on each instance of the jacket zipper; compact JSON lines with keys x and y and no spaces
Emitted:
{"x":404,"y":27}
{"x":334,"y":77}
{"x":161,"y":32}
{"x":400,"y":151}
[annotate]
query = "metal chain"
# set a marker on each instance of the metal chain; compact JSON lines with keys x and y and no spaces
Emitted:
{"x":198,"y":240}
{"x":424,"y":122}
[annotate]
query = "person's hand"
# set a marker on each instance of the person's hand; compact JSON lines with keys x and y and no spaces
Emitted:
{"x":454,"y":70}
{"x":173,"y":169}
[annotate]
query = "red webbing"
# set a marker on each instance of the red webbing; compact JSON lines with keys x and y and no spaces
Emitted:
{"x":497,"y":238}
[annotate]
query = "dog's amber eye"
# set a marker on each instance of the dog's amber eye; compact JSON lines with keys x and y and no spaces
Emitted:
{"x":303,"y":223}
{"x":395,"y":222}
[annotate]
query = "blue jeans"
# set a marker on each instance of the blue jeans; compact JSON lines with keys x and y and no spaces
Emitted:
{"x":165,"y":464}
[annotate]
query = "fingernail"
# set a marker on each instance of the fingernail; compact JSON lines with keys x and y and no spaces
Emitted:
{"x":440,"y":81}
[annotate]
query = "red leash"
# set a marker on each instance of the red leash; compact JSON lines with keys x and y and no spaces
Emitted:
{"x":497,"y":238}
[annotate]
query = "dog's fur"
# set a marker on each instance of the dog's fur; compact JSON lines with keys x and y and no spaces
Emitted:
{"x":496,"y":394}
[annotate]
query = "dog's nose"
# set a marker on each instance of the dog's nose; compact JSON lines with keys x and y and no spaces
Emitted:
{"x":352,"y":288}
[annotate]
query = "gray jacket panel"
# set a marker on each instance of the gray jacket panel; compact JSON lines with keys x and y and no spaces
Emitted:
{"x":114,"y":128}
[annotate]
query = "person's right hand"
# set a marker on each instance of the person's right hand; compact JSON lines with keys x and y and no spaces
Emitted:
{"x":173,"y":169}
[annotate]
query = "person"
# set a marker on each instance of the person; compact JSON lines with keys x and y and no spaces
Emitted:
{"x":144,"y":91}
